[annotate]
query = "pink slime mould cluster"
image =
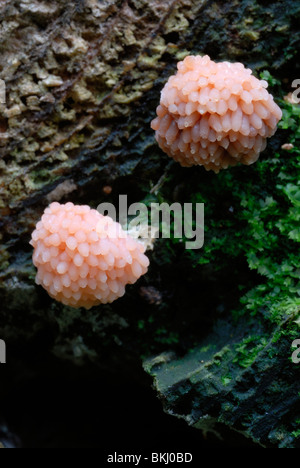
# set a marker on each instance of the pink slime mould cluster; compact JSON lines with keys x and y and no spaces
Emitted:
{"x":214,"y":114}
{"x":211,"y":114}
{"x":83,"y":258}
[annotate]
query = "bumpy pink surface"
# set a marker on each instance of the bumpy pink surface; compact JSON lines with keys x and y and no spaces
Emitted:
{"x":83,"y":258}
{"x":214,"y":114}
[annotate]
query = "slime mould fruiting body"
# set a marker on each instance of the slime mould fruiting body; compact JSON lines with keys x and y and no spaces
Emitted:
{"x":84,"y":258}
{"x":214,"y":114}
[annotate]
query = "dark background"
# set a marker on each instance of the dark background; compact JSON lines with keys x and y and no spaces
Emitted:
{"x":46,"y":403}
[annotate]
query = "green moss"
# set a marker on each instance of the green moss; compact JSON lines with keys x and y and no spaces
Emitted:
{"x":296,"y":433}
{"x":258,"y":222}
{"x":226,"y":380}
{"x":167,"y":337}
{"x":248,"y":349}
{"x":266,"y":75}
{"x":251,"y":234}
{"x":207,"y":348}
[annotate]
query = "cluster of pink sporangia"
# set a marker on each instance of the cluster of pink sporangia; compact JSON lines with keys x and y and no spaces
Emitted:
{"x":214,"y":114}
{"x":83,"y":258}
